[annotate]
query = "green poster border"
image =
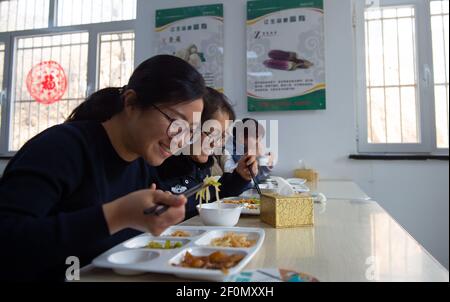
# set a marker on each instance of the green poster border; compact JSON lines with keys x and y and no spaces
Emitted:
{"x":311,"y":101}
{"x":259,"y":8}
{"x":167,"y":16}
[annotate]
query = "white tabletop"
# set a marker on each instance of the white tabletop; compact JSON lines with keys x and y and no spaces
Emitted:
{"x":350,"y":241}
{"x":340,"y":189}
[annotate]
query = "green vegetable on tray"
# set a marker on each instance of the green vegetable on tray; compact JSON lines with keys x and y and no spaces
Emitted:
{"x":166,"y":246}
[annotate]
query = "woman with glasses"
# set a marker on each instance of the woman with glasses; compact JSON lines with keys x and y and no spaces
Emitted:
{"x":180,"y":173}
{"x":79,"y":188}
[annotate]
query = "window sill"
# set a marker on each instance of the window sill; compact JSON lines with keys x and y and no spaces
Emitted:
{"x":391,"y":157}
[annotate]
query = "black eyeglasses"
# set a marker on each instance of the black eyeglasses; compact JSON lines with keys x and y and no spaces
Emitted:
{"x":175,"y":129}
{"x":217,"y":138}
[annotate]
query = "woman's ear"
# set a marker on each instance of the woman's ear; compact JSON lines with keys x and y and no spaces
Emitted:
{"x":129,"y":101}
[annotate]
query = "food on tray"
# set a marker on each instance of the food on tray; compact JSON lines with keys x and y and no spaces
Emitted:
{"x":232,"y":201}
{"x":204,"y":193}
{"x":180,"y":233}
{"x":216,"y":260}
{"x":233,"y":240}
{"x":251,"y":203}
{"x":243,"y":200}
{"x":166,"y":246}
{"x":253,"y":200}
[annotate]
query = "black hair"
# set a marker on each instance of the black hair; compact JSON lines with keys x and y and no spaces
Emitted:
{"x":215,"y":101}
{"x":162,"y":79}
{"x":260,"y":132}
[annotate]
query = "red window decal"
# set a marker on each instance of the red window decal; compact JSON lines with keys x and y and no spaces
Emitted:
{"x":47,"y":82}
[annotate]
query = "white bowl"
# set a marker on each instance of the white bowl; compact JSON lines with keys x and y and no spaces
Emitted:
{"x":223,"y":215}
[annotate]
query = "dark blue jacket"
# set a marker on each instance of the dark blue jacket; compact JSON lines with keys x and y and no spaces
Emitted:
{"x":180,"y":173}
{"x":51,"y":198}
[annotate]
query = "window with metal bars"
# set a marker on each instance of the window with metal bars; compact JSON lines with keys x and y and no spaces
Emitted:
{"x":439,"y":28}
{"x":72,"y":12}
{"x":23,"y":14}
{"x":390,"y":77}
{"x":30,"y":116}
{"x":402,"y":53}
{"x":2,"y":66}
{"x":116,"y":60}
{"x":91,"y":52}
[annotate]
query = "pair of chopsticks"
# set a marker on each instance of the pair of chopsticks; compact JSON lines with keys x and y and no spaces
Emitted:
{"x":254,"y":180}
{"x":158,"y":210}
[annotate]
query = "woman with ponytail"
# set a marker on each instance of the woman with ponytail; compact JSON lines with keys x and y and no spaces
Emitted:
{"x":79,"y":188}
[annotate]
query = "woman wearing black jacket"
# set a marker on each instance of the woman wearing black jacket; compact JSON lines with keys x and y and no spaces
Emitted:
{"x":80,"y":188}
{"x":180,"y":173}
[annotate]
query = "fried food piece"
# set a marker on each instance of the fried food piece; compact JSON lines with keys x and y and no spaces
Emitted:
{"x":216,"y":260}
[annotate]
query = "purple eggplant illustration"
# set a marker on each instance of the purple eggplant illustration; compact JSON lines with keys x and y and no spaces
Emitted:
{"x":286,"y":60}
{"x":287,"y":65}
{"x":280,"y":64}
{"x":282,"y":55}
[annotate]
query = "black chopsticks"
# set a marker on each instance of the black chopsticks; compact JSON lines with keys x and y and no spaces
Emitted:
{"x":158,"y":210}
{"x":254,"y":180}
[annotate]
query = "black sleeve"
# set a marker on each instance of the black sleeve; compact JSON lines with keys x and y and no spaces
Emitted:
{"x":232,"y":185}
{"x":32,"y":239}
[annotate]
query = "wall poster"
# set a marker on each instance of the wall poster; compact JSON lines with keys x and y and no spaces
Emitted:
{"x":194,"y":34}
{"x":285,"y":55}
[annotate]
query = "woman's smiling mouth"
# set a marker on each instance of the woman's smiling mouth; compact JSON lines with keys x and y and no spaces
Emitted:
{"x":165,"y":151}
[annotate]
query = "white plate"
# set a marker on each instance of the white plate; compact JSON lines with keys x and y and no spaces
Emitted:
{"x":301,"y":188}
{"x":296,"y":181}
{"x":245,"y":209}
{"x":131,"y":257}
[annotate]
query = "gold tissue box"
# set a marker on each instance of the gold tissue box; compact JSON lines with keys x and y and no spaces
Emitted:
{"x":287,"y":211}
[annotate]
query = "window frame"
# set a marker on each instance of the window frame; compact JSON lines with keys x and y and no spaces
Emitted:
{"x":10,"y":39}
{"x":97,"y":74}
{"x":424,"y":75}
{"x":5,"y":38}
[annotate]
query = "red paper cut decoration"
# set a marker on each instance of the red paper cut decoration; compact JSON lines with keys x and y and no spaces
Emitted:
{"x":47,"y":82}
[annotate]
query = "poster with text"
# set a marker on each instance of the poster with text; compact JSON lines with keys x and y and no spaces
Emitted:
{"x":194,"y":34}
{"x":285,"y":55}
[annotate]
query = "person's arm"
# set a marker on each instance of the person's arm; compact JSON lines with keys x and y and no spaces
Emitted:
{"x":37,"y":238}
{"x":232,"y":184}
{"x":32,"y":186}
{"x":235,"y":183}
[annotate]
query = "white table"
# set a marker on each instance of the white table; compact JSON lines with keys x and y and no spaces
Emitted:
{"x":340,"y":189}
{"x":350,"y":241}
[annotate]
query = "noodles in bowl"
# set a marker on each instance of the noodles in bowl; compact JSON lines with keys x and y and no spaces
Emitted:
{"x":204,"y":194}
{"x":216,"y":213}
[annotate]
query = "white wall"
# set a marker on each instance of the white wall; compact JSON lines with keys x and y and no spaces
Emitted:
{"x":415,"y":193}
